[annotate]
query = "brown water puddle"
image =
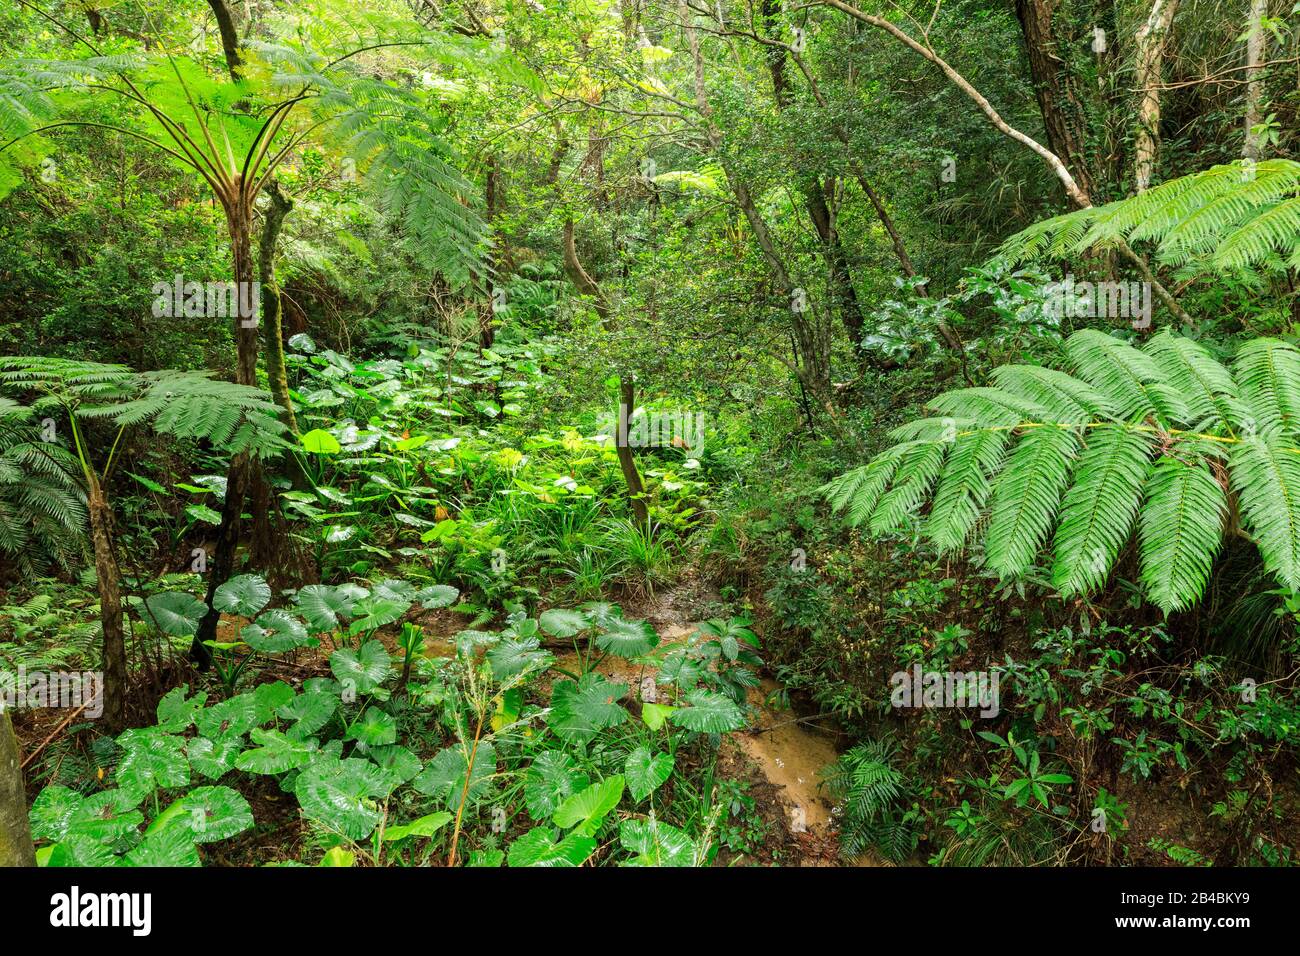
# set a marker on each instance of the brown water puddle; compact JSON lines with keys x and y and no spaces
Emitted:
{"x":791,"y":754}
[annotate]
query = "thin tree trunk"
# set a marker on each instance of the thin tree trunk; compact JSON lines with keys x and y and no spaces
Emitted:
{"x":487,"y":308}
{"x":843,"y":293}
{"x":1256,"y":42}
{"x":109,"y":587}
{"x":15,"y":833}
{"x":229,"y":36}
{"x":1060,"y":108}
{"x":1151,"y":39}
{"x":635,"y":487}
{"x":579,"y":276}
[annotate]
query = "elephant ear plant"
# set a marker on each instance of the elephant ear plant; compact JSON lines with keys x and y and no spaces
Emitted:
{"x":565,"y":773}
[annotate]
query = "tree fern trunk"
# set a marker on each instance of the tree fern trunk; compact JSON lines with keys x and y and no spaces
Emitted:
{"x":240,"y":474}
{"x":1256,"y":43}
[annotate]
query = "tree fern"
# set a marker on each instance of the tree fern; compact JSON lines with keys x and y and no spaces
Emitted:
{"x":1164,"y":439}
{"x":1231,"y":217}
{"x":236,"y":418}
{"x":42,"y":509}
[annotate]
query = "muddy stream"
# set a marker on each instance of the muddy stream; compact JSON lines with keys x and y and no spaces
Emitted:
{"x":781,"y":755}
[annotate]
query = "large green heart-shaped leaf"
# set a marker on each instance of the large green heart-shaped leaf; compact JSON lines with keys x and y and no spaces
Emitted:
{"x":374,"y":612}
{"x":244,"y":594}
{"x":397,"y":760}
{"x":445,"y":775}
{"x":275,"y":632}
{"x":320,"y":442}
{"x":105,"y":817}
{"x":323,"y":606}
{"x":275,"y":753}
{"x":153,"y":760}
{"x":269,"y":698}
{"x":175,"y":713}
{"x":646,"y":772}
{"x":213,"y":758}
{"x":551,"y":779}
{"x":537,"y":847}
{"x":681,"y":670}
{"x":587,"y":810}
{"x":232,"y":717}
{"x":437,"y":596}
{"x":657,"y":844}
{"x":654,"y":715}
{"x":341,"y":794}
{"x":210,"y":814}
{"x":361,"y":670}
{"x":176,"y":612}
{"x":169,"y":847}
{"x":510,"y":656}
{"x":375,"y":728}
{"x":309,"y":712}
{"x":52,"y":811}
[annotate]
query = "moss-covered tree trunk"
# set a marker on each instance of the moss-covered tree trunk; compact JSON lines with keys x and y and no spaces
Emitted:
{"x":272,"y":313}
{"x":15,"y":833}
{"x":109,"y":588}
{"x":623,"y":448}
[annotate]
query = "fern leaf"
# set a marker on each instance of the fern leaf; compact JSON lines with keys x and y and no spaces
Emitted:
{"x":964,"y":486}
{"x":1266,"y":476}
{"x":1066,"y":399}
{"x":1099,"y":508}
{"x":1026,"y":497}
{"x":1267,"y":372}
{"x":1206,"y":386}
{"x":911,"y":484}
{"x":1181,"y":531}
{"x":1129,"y":378}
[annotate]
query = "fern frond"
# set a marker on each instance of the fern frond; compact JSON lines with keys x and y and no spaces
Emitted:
{"x":1267,"y":372}
{"x":1130,"y":379}
{"x":915,"y":476}
{"x":1206,"y":386}
{"x":1026,"y":496}
{"x":964,"y":486}
{"x":1266,"y":475}
{"x":1099,"y":508}
{"x":1181,"y":531}
{"x":1065,"y":398}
